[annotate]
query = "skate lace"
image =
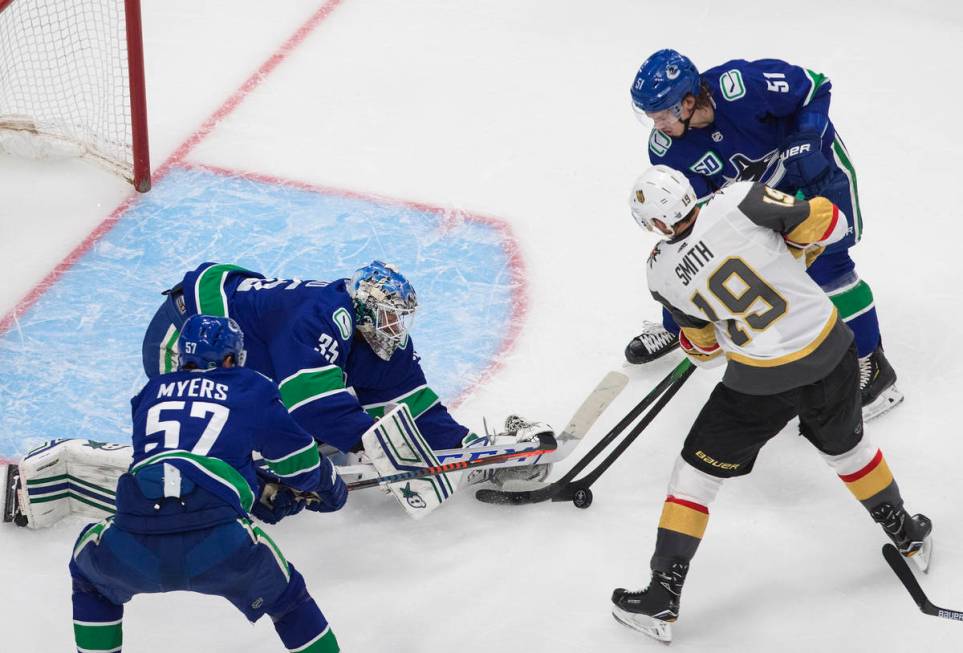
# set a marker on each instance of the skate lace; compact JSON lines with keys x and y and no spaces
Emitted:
{"x":865,"y":371}
{"x":654,"y":336}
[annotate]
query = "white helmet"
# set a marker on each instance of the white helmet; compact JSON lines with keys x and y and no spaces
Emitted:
{"x":661,"y":193}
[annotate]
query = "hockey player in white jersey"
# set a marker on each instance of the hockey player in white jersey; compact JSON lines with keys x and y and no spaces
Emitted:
{"x":732,"y":275}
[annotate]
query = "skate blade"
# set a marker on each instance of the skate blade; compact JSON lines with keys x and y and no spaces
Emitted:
{"x":924,"y":556}
{"x":654,"y":628}
{"x":885,"y":402}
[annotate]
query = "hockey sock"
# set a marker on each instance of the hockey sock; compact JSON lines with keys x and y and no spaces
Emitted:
{"x":685,"y":515}
{"x":98,"y":623}
{"x":299,"y":622}
{"x":856,"y":307}
{"x":866,"y":474}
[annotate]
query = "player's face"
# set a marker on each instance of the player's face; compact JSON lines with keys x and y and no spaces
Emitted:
{"x":393,"y":322}
{"x":666,"y":121}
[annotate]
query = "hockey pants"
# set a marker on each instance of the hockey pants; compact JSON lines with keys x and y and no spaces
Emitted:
{"x":236,"y":560}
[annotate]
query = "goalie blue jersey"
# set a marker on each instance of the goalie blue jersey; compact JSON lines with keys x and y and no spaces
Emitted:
{"x":199,"y":428}
{"x":301,"y":333}
{"x":757,"y":105}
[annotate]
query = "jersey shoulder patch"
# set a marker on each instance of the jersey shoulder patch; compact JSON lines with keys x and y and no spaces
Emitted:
{"x":659,"y":143}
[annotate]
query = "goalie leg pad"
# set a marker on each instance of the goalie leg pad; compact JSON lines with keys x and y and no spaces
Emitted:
{"x":70,"y":476}
{"x":394,"y":444}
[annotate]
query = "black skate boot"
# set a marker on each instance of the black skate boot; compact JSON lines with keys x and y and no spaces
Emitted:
{"x":651,"y":610}
{"x":654,"y":342}
{"x":911,"y":535}
{"x":877,"y":384}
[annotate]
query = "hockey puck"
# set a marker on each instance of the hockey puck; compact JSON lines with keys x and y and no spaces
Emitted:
{"x":582,"y":498}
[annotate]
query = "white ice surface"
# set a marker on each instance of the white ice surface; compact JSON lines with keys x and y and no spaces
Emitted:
{"x":520,"y":109}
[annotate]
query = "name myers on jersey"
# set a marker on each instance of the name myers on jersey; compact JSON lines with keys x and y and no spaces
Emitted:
{"x":198,"y":388}
{"x":692,"y":261}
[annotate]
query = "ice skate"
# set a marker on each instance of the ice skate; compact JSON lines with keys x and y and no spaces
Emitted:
{"x":651,"y":611}
{"x":877,"y":384}
{"x":654,"y":342}
{"x":912,"y":536}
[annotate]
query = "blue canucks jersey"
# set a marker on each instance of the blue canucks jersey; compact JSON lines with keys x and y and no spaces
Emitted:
{"x":199,"y":428}
{"x":757,"y":105}
{"x":301,"y":333}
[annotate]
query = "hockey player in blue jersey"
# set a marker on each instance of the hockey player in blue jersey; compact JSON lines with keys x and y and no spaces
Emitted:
{"x":764,"y":121}
{"x":340,"y":351}
{"x":182,"y":520}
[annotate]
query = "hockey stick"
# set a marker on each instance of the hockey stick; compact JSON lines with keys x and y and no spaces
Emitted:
{"x":546,"y":444}
{"x":584,"y":418}
{"x":567,"y":488}
{"x":898,"y":564}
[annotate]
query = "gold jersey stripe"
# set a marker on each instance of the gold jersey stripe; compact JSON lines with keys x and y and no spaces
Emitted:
{"x":872,"y":483}
{"x":704,"y":338}
{"x":818,"y":225}
{"x":682,"y":519}
{"x":788,"y":358}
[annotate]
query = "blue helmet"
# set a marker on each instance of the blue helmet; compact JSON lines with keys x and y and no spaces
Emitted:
{"x":206,"y":340}
{"x":384,"y":305}
{"x":663,"y":81}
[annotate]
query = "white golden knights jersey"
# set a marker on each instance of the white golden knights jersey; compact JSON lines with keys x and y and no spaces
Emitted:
{"x":735,"y":282}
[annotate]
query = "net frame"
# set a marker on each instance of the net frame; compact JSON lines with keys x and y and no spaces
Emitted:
{"x":72,"y":82}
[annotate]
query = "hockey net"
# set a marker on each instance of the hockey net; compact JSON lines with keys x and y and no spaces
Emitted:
{"x":72,"y":83}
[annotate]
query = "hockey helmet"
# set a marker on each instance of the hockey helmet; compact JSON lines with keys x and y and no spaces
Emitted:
{"x":206,"y":340}
{"x":663,"y":81}
{"x":664,"y":194}
{"x":384,"y":303}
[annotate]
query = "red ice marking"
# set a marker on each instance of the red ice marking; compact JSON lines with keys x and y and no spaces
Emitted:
{"x":249,"y":85}
{"x":516,"y":264}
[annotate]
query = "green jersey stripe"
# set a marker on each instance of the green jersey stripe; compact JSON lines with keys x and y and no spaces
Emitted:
{"x":106,"y":637}
{"x":815,"y":80}
{"x":209,"y":289}
{"x":298,"y":462}
{"x":418,"y":401}
{"x":310,"y":384}
{"x":214,"y":468}
{"x":842,"y":160}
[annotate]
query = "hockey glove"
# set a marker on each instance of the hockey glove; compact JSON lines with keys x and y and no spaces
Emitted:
{"x":806,"y":166}
{"x":276,"y":502}
{"x":332,"y":492}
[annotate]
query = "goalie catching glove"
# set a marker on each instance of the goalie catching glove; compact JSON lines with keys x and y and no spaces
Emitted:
{"x":517,"y":431}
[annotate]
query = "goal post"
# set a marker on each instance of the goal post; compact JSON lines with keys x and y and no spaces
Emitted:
{"x":72,"y":83}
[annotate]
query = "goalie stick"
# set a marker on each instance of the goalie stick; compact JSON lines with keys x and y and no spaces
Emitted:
{"x":546,"y":444}
{"x":567,"y":488}
{"x":898,"y":564}
{"x":581,"y":422}
{"x":578,"y":426}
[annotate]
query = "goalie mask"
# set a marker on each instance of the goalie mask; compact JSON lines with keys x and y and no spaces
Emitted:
{"x":663,"y":194}
{"x":384,"y":304}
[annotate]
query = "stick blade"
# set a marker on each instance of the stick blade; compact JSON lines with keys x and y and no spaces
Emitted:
{"x":514,"y":498}
{"x":898,"y":564}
